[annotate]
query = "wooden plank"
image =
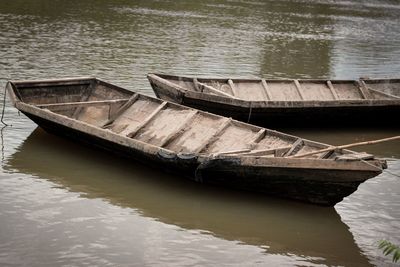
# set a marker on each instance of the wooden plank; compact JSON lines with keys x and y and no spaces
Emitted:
{"x":295,"y":147}
{"x":214,"y":137}
{"x":298,"y":87}
{"x":332,"y":89}
{"x":233,"y":87}
{"x":347,"y":146}
{"x":383,"y":94}
{"x":212,"y":89}
{"x":326,"y":154}
{"x":364,"y":90}
{"x":259,"y":136}
{"x":121,"y":110}
{"x":147,"y":120}
{"x":233,"y":152}
{"x":84,"y":98}
{"x":263,"y":152}
{"x":53,"y":82}
{"x":266,"y":89}
{"x":179,"y":130}
{"x":355,"y":156}
{"x":280,"y":152}
{"x":85,"y":103}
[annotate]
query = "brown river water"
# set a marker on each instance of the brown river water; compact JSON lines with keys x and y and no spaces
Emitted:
{"x":62,"y":204}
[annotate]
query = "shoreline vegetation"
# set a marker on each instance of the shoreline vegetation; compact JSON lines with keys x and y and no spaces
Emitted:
{"x":388,"y":248}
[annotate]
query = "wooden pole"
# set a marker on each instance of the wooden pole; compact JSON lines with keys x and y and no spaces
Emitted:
{"x":214,"y":90}
{"x":347,"y":146}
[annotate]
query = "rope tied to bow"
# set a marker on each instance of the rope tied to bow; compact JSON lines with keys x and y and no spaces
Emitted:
{"x":4,"y":106}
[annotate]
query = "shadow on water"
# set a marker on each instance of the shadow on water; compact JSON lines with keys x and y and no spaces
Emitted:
{"x":278,"y":226}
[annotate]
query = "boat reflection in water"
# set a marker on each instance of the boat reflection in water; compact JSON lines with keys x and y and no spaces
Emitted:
{"x":278,"y":226}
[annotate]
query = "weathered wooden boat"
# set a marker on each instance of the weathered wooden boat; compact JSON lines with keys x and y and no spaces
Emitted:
{"x":205,"y":147}
{"x":287,"y":103}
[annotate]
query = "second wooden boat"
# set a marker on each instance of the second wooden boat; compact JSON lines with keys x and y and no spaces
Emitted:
{"x":287,"y":103}
{"x":205,"y":147}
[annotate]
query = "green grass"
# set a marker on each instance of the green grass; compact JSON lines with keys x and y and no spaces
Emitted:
{"x":389,"y":248}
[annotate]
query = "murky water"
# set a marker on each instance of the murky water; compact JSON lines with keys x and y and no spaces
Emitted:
{"x":64,"y":204}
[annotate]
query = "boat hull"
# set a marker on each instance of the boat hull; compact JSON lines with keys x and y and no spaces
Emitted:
{"x":318,"y":186}
{"x":315,"y":186}
{"x":287,"y":115}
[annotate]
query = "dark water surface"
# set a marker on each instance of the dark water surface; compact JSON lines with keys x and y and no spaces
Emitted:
{"x":64,"y":204}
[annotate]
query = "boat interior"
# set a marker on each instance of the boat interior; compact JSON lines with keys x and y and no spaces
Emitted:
{"x":387,"y":86}
{"x":291,"y":90}
{"x":174,"y":127}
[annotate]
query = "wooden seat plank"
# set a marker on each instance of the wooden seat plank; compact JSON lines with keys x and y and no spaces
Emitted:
{"x":233,"y":87}
{"x":85,"y":97}
{"x":214,"y":137}
{"x":295,"y":147}
{"x":298,"y":87}
{"x":364,"y":90}
{"x":201,"y":87}
{"x":266,"y":89}
{"x":180,"y":129}
{"x":121,"y":110}
{"x":332,"y":89}
{"x":147,"y":120}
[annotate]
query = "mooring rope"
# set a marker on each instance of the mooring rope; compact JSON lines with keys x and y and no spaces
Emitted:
{"x":248,"y":118}
{"x":394,"y":174}
{"x":4,"y":106}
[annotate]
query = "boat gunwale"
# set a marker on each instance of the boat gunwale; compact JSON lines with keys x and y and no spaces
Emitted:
{"x":380,"y":80}
{"x":53,"y":82}
{"x":190,"y":79}
{"x":234,"y":101}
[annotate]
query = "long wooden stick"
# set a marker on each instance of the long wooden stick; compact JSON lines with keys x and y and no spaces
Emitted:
{"x":212,"y":89}
{"x":347,"y":146}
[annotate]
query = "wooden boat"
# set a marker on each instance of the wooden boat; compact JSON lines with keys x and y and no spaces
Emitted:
{"x":205,"y":147}
{"x":287,"y":103}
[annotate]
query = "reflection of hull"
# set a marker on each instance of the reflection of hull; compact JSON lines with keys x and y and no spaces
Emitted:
{"x":284,"y":227}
